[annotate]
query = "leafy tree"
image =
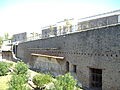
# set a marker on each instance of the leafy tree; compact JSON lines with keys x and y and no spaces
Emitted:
{"x":51,"y":28}
{"x":60,"y":28}
{"x":1,"y":40}
{"x":67,"y":22}
{"x":18,"y":82}
{"x":19,"y":77}
{"x":6,"y":36}
{"x":3,"y":68}
{"x":21,"y":68}
{"x":67,"y":25}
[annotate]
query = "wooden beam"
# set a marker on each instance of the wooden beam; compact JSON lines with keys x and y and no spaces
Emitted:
{"x":48,"y":56}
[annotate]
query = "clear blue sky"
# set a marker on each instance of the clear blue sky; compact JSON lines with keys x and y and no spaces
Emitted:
{"x":30,"y":15}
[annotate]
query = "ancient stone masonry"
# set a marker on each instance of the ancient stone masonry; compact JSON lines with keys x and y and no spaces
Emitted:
{"x":19,"y":37}
{"x":68,"y":26}
{"x":87,"y":54}
{"x":98,"y":22}
{"x":7,"y":55}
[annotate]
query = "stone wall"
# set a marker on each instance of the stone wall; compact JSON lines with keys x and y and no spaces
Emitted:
{"x":95,"y":48}
{"x":19,"y":37}
{"x":103,"y":21}
{"x":47,"y":64}
{"x":48,"y":32}
{"x":7,"y":55}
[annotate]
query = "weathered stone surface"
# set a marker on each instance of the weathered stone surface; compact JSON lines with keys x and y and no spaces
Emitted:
{"x":97,"y":48}
{"x":98,"y":22}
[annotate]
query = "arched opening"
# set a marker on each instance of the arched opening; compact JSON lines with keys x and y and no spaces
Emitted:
{"x":67,"y":66}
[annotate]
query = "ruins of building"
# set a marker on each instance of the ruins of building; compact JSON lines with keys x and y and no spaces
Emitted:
{"x":19,"y":37}
{"x":49,"y":31}
{"x":7,"y":50}
{"x":92,"y":54}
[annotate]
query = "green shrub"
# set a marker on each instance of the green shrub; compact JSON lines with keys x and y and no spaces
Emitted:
{"x":9,"y":64}
{"x":42,"y":79}
{"x":18,"y":82}
{"x":64,"y":82}
{"x":3,"y":68}
{"x":19,"y":77}
{"x":20,"y":68}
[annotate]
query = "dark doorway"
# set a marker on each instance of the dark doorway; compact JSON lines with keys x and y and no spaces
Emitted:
{"x":15,"y":50}
{"x":96,"y":79}
{"x":67,"y":66}
{"x":75,"y":68}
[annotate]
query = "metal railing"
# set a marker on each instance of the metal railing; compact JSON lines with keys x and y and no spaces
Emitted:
{"x":74,"y":30}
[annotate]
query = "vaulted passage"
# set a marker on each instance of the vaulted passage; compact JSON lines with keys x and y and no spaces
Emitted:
{"x":96,"y":79}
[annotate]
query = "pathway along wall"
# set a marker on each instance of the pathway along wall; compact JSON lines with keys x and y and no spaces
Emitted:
{"x":97,"y":48}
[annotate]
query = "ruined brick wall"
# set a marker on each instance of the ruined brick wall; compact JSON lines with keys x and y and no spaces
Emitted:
{"x":97,"y":48}
{"x":98,"y":22}
{"x":51,"y":65}
{"x":7,"y":55}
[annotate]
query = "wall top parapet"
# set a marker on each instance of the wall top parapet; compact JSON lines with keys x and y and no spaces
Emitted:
{"x":116,"y":12}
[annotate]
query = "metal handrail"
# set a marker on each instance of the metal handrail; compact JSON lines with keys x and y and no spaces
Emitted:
{"x":74,"y":31}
